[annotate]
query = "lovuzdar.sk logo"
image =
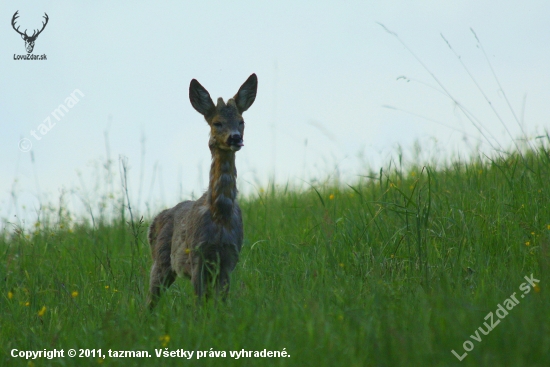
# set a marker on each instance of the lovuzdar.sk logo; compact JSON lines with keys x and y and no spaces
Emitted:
{"x":29,"y":40}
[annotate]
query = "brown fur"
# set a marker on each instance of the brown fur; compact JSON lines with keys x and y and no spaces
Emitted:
{"x":202,"y":239}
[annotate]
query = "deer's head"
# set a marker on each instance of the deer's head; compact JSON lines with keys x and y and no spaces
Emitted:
{"x":29,"y":40}
{"x":225,"y":119}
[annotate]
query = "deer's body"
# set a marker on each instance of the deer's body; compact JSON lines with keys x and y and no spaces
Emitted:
{"x":202,"y":239}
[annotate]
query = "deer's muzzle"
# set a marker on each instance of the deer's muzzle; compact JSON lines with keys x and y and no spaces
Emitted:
{"x":235,"y":142}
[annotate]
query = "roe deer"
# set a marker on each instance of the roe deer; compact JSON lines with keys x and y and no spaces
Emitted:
{"x":202,"y":239}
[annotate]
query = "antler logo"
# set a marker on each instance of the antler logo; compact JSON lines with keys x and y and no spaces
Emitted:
{"x":29,"y":40}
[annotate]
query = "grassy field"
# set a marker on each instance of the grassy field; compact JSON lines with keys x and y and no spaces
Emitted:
{"x":396,"y":269}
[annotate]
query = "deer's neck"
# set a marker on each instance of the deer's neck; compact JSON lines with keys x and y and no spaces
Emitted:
{"x":222,"y":190}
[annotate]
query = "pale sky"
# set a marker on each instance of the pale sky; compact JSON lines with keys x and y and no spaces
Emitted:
{"x":326,"y":71}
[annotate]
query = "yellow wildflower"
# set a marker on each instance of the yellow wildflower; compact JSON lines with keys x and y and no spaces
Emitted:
{"x":106,"y":287}
{"x":42,"y":311}
{"x":165,"y":339}
{"x":341,"y":265}
{"x":187,"y":251}
{"x":331,"y":197}
{"x":27,"y":304}
{"x":74,"y":294}
{"x":536,"y":288}
{"x":527,"y":243}
{"x":10,"y":295}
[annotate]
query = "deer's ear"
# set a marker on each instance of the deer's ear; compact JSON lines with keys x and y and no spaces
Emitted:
{"x":200,"y":99}
{"x":247,"y":93}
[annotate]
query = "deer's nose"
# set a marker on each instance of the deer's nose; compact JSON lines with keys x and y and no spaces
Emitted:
{"x":236,"y":139}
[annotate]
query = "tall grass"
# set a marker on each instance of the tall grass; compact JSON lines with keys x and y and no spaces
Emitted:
{"x":398,"y":268}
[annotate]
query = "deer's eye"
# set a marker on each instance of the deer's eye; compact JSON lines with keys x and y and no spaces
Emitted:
{"x":218,"y":124}
{"x":241,"y":122}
